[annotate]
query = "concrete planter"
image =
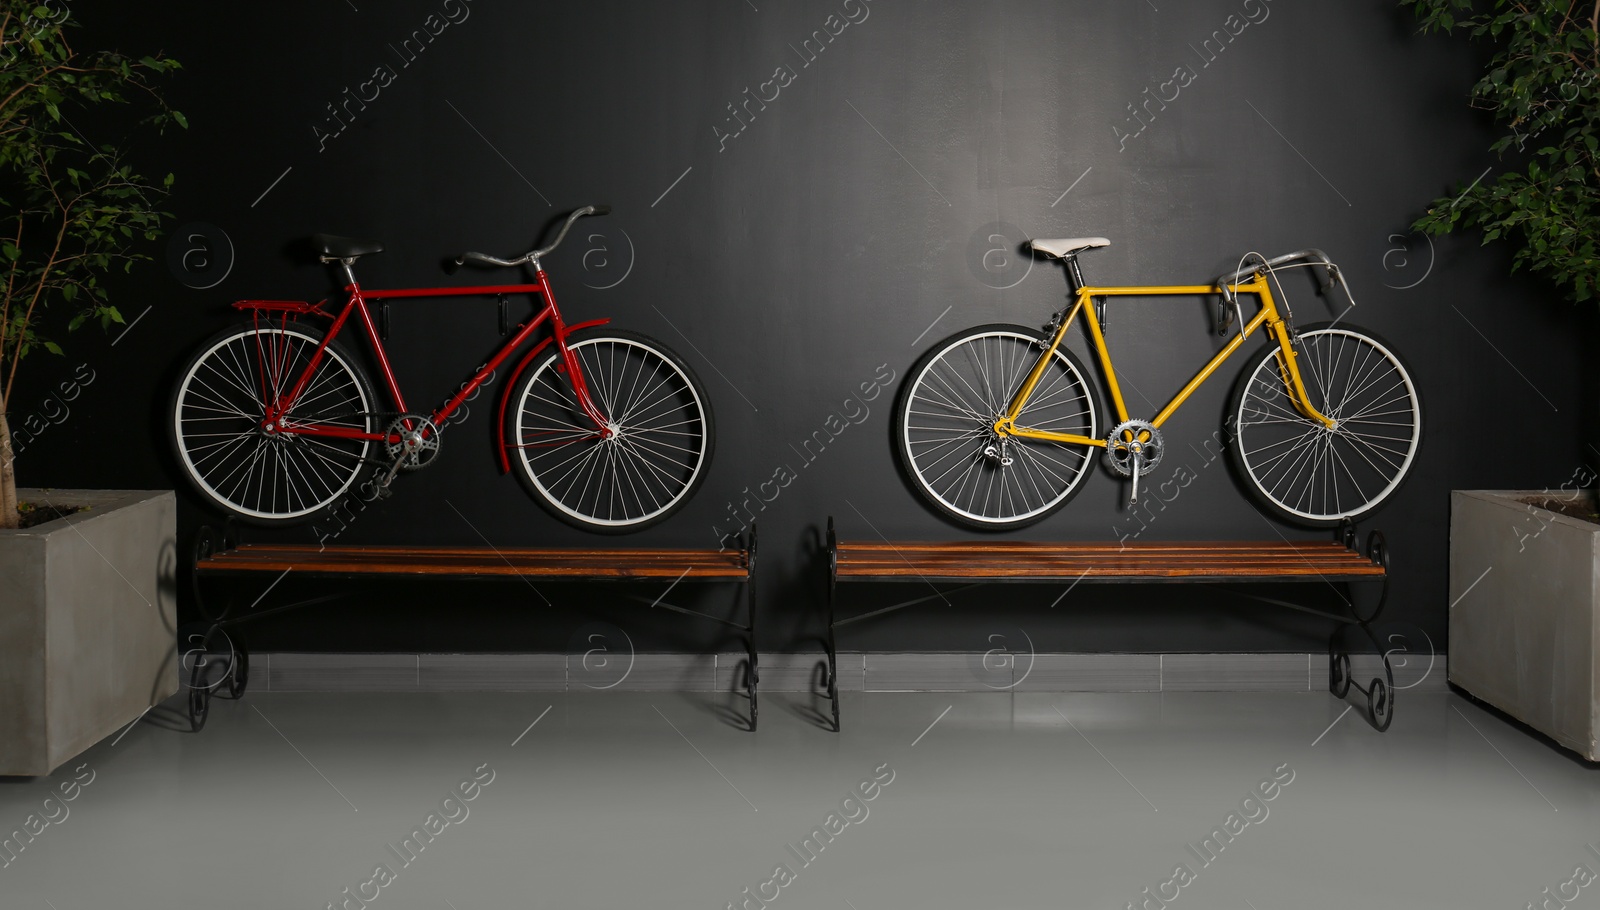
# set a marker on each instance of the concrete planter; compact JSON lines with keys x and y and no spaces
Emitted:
{"x":87,"y":624}
{"x":1525,"y":614}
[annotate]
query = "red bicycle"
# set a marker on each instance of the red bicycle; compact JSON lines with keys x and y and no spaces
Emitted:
{"x":275,"y":421}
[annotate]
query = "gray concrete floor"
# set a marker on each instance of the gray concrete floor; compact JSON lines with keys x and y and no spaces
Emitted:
{"x":613,"y":800}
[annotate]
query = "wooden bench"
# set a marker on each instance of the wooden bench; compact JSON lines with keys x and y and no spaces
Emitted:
{"x":974,"y":562}
{"x":613,"y":564}
{"x":223,"y":556}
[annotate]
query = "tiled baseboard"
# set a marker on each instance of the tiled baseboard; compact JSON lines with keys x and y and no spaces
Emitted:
{"x":858,"y":672}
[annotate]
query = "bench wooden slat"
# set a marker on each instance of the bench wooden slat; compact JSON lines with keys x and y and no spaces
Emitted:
{"x":1220,"y":551}
{"x":1106,"y":575}
{"x":608,"y":563}
{"x":1104,"y":566}
{"x":1100,"y":561}
{"x":606,"y":552}
{"x":397,"y":554}
{"x":1019,"y":546}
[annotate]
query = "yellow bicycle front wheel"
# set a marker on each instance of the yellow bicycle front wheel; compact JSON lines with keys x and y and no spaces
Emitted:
{"x":1308,"y":472}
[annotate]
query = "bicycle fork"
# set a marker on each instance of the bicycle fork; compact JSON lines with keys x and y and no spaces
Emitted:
{"x":1289,"y":372}
{"x":580,"y":387}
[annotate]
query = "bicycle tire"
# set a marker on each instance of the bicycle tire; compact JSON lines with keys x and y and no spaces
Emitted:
{"x":267,"y":478}
{"x":663,"y":444}
{"x":933,"y":404}
{"x":1274,"y":446}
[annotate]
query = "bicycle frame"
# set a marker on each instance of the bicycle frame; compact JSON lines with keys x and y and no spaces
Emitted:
{"x":1268,"y":316}
{"x":356,"y":304}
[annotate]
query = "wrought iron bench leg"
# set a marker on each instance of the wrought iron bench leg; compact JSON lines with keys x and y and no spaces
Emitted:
{"x":753,"y":673}
{"x":833,"y":649}
{"x":237,"y":673}
{"x":1380,"y":692}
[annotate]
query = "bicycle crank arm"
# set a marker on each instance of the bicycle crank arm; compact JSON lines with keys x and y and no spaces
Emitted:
{"x":1138,"y":463}
{"x":389,"y":475}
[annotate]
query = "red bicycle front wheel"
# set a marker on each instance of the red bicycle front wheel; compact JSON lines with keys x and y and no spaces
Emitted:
{"x":643,"y":465}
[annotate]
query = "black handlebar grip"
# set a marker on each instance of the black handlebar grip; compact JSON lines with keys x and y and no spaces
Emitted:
{"x":599,"y":209}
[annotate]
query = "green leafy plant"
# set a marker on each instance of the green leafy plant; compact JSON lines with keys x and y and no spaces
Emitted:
{"x":1543,"y":87}
{"x":70,"y":210}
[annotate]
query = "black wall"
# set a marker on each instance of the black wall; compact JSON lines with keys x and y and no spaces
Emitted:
{"x":818,"y":244}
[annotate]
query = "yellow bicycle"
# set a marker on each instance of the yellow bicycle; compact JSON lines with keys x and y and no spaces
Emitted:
{"x":998,"y":425}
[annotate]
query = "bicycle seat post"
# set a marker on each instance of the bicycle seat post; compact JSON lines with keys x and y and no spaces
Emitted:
{"x":1074,"y":273}
{"x":345,"y":264}
{"x":1076,"y":282}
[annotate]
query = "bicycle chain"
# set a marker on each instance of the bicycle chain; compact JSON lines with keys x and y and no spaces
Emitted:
{"x":384,"y":417}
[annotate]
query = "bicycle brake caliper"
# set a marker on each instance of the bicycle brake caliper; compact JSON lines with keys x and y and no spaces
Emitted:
{"x":1050,"y":329}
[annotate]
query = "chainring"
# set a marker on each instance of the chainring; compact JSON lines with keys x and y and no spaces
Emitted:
{"x":412,"y":442}
{"x":1131,"y":441}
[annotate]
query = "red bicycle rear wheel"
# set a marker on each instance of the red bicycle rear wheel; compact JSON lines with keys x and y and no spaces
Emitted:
{"x":269,"y":476}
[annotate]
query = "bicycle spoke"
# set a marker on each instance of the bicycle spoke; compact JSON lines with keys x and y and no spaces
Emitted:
{"x":662,"y":479}
{"x":937,"y":399}
{"x":582,"y":466}
{"x":223,"y":405}
{"x":642,"y":395}
{"x":1296,"y":446}
{"x":639,"y":439}
{"x":568,"y":405}
{"x":225,"y":449}
{"x":962,"y":454}
{"x":1380,"y":451}
{"x":1025,"y":455}
{"x":971,"y":399}
{"x":624,"y":464}
{"x":581,"y":456}
{"x":227,"y":379}
{"x":1354,"y":480}
{"x":1037,"y":459}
